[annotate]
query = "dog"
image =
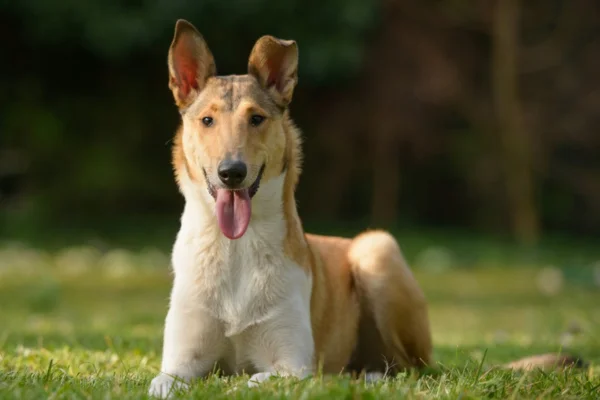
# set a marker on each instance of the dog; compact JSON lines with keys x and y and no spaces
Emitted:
{"x":252,"y":292}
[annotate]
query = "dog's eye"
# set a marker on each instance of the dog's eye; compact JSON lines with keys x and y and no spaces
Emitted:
{"x":256,"y":120}
{"x":208,"y":121}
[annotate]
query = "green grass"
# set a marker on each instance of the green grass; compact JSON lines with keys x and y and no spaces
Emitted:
{"x":80,"y":323}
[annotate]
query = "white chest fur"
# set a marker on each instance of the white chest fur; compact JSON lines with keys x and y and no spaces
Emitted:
{"x":240,"y":282}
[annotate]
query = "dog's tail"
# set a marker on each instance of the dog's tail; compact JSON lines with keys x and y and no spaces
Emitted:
{"x":547,"y":361}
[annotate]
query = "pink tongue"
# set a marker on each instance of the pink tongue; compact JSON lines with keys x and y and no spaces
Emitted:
{"x":233,"y":212}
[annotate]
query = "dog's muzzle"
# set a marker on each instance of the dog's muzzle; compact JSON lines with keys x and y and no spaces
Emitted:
{"x":251,"y":190}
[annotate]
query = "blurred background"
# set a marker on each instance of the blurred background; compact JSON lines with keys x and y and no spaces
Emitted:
{"x":478,"y":116}
{"x":469,"y":128}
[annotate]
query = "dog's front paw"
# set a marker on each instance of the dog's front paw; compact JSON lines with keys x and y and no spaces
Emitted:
{"x":259,"y":378}
{"x":372,"y":377}
{"x":164,"y":385}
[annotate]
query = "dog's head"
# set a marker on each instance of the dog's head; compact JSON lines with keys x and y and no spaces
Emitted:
{"x":232,"y":135}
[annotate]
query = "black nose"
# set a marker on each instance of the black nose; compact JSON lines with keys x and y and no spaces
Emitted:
{"x":232,"y":173}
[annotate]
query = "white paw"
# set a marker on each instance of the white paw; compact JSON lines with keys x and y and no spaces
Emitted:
{"x":259,"y":378}
{"x":371,"y":377}
{"x":164,"y":385}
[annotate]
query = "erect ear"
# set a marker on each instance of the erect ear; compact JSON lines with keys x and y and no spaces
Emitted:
{"x":190,"y":63}
{"x":274,"y":62}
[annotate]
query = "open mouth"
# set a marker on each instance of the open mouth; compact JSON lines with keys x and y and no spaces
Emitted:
{"x":233,"y":206}
{"x":252,"y":189}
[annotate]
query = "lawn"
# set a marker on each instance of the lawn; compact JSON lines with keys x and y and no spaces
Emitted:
{"x":80,"y":322}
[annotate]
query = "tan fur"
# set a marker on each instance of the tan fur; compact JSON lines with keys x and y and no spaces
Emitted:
{"x":367,"y":311}
{"x":549,"y":361}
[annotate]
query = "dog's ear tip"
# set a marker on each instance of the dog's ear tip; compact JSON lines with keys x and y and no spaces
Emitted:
{"x":277,"y":40}
{"x":190,"y":62}
{"x":182,"y":22}
{"x":274,"y":62}
{"x":287,"y":42}
{"x":183,"y":25}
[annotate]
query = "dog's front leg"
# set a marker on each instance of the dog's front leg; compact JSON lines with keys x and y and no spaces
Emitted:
{"x":193,"y":343}
{"x":282,"y":346}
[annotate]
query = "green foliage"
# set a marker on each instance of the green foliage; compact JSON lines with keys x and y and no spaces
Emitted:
{"x":85,"y":104}
{"x":331,"y":34}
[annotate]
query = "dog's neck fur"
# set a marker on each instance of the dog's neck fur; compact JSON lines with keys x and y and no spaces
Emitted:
{"x":273,"y":203}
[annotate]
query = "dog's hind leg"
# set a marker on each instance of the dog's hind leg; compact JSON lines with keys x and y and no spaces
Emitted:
{"x":394,"y":332}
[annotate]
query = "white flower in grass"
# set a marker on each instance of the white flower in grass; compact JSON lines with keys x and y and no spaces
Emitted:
{"x":23,"y":351}
{"x":550,"y":281}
